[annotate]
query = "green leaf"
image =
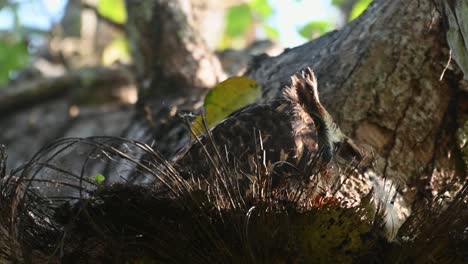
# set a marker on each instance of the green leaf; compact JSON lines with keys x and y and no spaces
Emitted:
{"x":238,"y":20}
{"x":358,"y":8}
{"x":315,"y":29}
{"x":13,"y":56}
{"x":261,"y":7}
{"x":113,"y":10}
{"x":99,"y":178}
{"x":225,"y":98}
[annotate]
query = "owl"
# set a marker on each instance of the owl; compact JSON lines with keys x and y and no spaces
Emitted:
{"x":284,"y":140}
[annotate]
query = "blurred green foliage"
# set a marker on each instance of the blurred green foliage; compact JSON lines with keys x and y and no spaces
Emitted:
{"x":261,"y":8}
{"x":113,"y":10}
{"x":358,"y":8}
{"x":242,"y":19}
{"x":315,"y":29}
{"x":339,"y":2}
{"x":13,"y":49}
{"x":13,"y":56}
{"x":270,"y":31}
{"x":238,"y":20}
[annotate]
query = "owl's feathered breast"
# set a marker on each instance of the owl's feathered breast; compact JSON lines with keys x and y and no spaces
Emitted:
{"x":273,"y":132}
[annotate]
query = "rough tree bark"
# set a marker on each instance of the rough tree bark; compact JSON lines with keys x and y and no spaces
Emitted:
{"x":382,"y":77}
{"x":174,"y":68}
{"x":386,"y":78}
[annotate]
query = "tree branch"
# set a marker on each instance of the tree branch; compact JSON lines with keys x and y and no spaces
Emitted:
{"x":28,"y":93}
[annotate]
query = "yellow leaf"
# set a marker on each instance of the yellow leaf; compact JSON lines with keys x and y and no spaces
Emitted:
{"x":117,"y":50}
{"x":224,"y":99}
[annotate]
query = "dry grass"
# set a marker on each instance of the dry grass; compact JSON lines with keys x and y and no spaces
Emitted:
{"x":55,"y":209}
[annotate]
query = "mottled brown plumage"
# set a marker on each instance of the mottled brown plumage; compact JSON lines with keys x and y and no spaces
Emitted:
{"x":282,"y":137}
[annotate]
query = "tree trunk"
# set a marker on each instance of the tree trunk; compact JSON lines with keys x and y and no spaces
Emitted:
{"x":382,"y":78}
{"x":387,"y":79}
{"x":392,"y":79}
{"x":174,"y":67}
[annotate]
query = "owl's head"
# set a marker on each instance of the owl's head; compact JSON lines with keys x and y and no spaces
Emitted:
{"x":332,"y":142}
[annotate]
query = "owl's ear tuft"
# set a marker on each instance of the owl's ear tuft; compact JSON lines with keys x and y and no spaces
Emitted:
{"x":303,"y":93}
